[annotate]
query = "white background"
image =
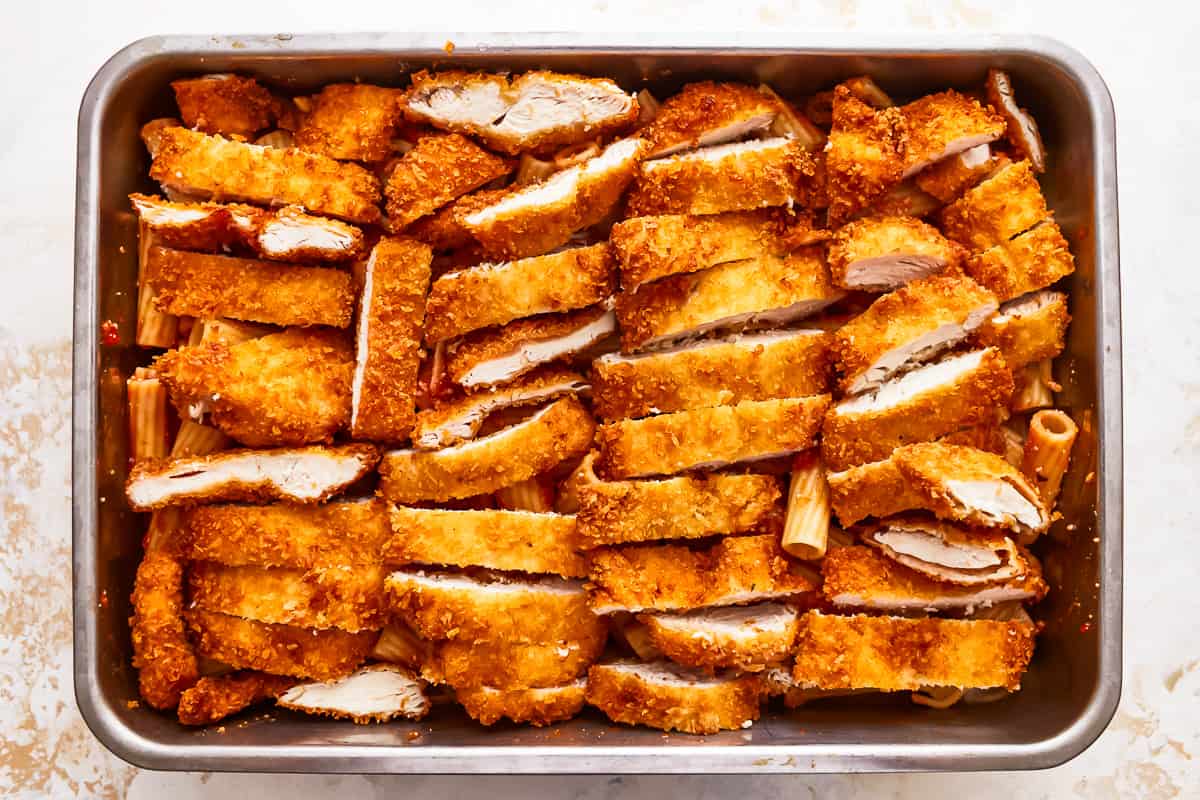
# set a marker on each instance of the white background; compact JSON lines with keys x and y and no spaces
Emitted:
{"x":1147,"y":52}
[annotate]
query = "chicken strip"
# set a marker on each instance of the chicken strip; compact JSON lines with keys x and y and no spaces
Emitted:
{"x":523,"y":541}
{"x":438,"y":170}
{"x":1029,"y":261}
{"x":884,"y":253}
{"x":866,"y":154}
{"x":709,"y":437}
{"x":895,"y":654}
{"x":162,"y":654}
{"x":323,"y":655}
{"x":925,"y":404}
{"x":1029,"y":328}
{"x":501,"y":664}
{"x":908,"y":327}
{"x":375,"y":693}
{"x":226,"y":104}
{"x":299,"y":475}
{"x":745,"y":638}
{"x":671,"y":577}
{"x":763,"y":366}
{"x":948,"y":179}
{"x":206,"y":286}
{"x":212,"y":167}
{"x":943,"y":125}
{"x":534,"y":111}
{"x":213,"y":699}
{"x":351,"y":122}
{"x":494,"y":294}
{"x":671,"y":698}
{"x":947,"y":552}
{"x":708,"y":113}
{"x":388,"y":358}
{"x":1008,"y":202}
{"x":539,"y":707}
{"x":291,"y":235}
{"x":769,"y":290}
{"x":446,"y":229}
{"x":554,"y":434}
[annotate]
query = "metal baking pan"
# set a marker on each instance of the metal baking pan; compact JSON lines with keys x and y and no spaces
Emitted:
{"x":1072,"y":688}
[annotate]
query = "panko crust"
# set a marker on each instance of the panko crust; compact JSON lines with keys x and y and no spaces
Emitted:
{"x":877,"y":489}
{"x":949,"y":178}
{"x":162,"y":654}
{"x":712,"y":650}
{"x":1030,"y":337}
{"x":351,"y":122}
{"x":230,"y":105}
{"x":873,"y":237}
{"x":1028,"y":262}
{"x":987,"y":436}
{"x":991,"y":213}
{"x":214,"y":699}
{"x":684,"y":119}
{"x":503,"y":664}
{"x":939,"y":124}
{"x":866,"y":154}
{"x":445,"y":228}
{"x":439,"y":169}
{"x":488,"y":705}
{"x":624,"y":696}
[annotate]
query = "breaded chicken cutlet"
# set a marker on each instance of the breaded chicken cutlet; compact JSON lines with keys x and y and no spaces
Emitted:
{"x":439,"y":169}
{"x":215,"y":698}
{"x":1029,"y":261}
{"x":1006,"y":203}
{"x":446,"y":229}
{"x":885,"y":253}
{"x":945,"y":124}
{"x":708,"y":113}
{"x":947,"y":180}
{"x":865,"y":156}
{"x":374,"y":693}
{"x":230,"y":105}
{"x":502,"y":664}
{"x":162,"y":654}
{"x":946,"y":551}
{"x":351,"y":122}
{"x":671,"y":698}
{"x":746,"y":638}
{"x":488,"y":705}
{"x":1029,"y":328}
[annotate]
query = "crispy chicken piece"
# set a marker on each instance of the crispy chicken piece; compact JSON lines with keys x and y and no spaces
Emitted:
{"x":323,"y":655}
{"x":375,"y":693}
{"x":536,"y":218}
{"x":1022,"y":128}
{"x":947,"y":552}
{"x":1030,"y":328}
{"x":863,"y":577}
{"x":866,"y":154}
{"x":162,"y":654}
{"x":388,"y":344}
{"x":1006,"y":203}
{"x":931,"y":401}
{"x":1029,"y":261}
{"x":709,"y":437}
{"x":905,"y":199}
{"x":988,"y":436}
{"x":291,"y":235}
{"x":708,"y":113}
{"x":523,"y":541}
{"x":446,"y":229}
{"x":338,"y":533}
{"x":763,"y":366}
{"x":494,"y":294}
{"x":554,"y":434}
{"x":671,"y":698}
{"x":534,"y":111}
{"x":893,"y":654}
{"x":285,"y":389}
{"x":299,"y":475}
{"x":226,"y":104}
{"x":909,"y":327}
{"x":769,"y":290}
{"x":672,"y":577}
{"x":502,"y":664}
{"x":539,"y":707}
{"x":343,"y":597}
{"x":745,"y":638}
{"x":151,"y":134}
{"x":438,"y":170}
{"x":943,"y":125}
{"x":214,"y":699}
{"x":206,"y":286}
{"x":948,"y":179}
{"x":212,"y":167}
{"x":351,"y":122}
{"x":730,"y":177}
{"x":885,"y":253}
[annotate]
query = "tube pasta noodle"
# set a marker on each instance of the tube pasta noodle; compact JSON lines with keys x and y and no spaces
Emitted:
{"x":194,"y":439}
{"x":400,"y":644}
{"x":195,"y":334}
{"x":790,"y":123}
{"x":1014,"y":445}
{"x":839,"y":538}
{"x":939,"y":697}
{"x":1048,"y":452}
{"x":154,"y":328}
{"x":526,"y":495}
{"x":1035,"y":387}
{"x":232,"y":331}
{"x":532,"y":170}
{"x":806,"y":531}
{"x":147,"y":415}
{"x":637,"y":636}
{"x":648,"y":107}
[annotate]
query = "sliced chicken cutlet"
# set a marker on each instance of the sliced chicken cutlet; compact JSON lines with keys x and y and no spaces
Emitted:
{"x":552,"y":435}
{"x":673,"y":577}
{"x":299,"y":475}
{"x":672,"y":698}
{"x":1029,"y":261}
{"x":230,"y":105}
{"x":494,"y":294}
{"x":705,"y":438}
{"x":533,"y":111}
{"x":865,"y":156}
{"x":931,"y":401}
{"x":1006,"y":203}
{"x":162,"y":654}
{"x":1022,"y":128}
{"x":1029,"y":328}
{"x":884,"y":253}
{"x":762,"y":366}
{"x":908,"y":327}
{"x":351,"y":122}
{"x":943,"y":125}
{"x":446,"y":229}
{"x":499,"y":663}
{"x":709,"y":113}
{"x":291,"y":235}
{"x":745,"y":638}
{"x":375,"y":693}
{"x":284,"y":389}
{"x":896,"y":654}
{"x":215,"y":698}
{"x":765,"y":291}
{"x":948,"y":552}
{"x":438,"y":170}
{"x":488,"y":705}
{"x":198,"y":165}
{"x":948,"y":179}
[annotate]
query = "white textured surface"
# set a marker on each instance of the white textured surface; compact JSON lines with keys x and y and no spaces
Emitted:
{"x":1145,"y":50}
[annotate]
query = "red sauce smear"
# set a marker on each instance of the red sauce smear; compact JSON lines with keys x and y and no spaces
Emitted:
{"x":110,"y":333}
{"x":1085,"y":627}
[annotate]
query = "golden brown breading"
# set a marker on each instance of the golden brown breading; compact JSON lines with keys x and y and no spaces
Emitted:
{"x":391,"y":313}
{"x":893,"y":653}
{"x":560,"y":431}
{"x":351,"y":121}
{"x":907,"y":327}
{"x":438,"y":170}
{"x":323,"y":655}
{"x":729,"y":177}
{"x":288,"y":388}
{"x":291,"y":235}
{"x":445,"y":229}
{"x":206,"y":286}
{"x":1008,"y":202}
{"x":494,"y":294}
{"x":509,"y":540}
{"x":214,"y":699}
{"x":162,"y":654}
{"x":226,"y":104}
{"x":949,"y":178}
{"x":1028,"y":329}
{"x":298,"y":475}
{"x":374,"y":693}
{"x":878,"y":489}
{"x":923,"y":405}
{"x":502,"y":664}
{"x":674,"y":577}
{"x":704,"y":437}
{"x":989,"y":437}
{"x":745,"y":638}
{"x":197,"y":226}
{"x":884,"y":253}
{"x":344,"y":532}
{"x":539,"y":707}
{"x":343,"y":597}
{"x":865,"y":155}
{"x":708,"y":113}
{"x":945,"y":124}
{"x":220,"y":169}
{"x":1030,"y":261}
{"x":669,"y":698}
{"x":766,"y":289}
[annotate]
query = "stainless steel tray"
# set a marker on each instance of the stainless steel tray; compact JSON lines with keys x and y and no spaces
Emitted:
{"x":1071,"y":690}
